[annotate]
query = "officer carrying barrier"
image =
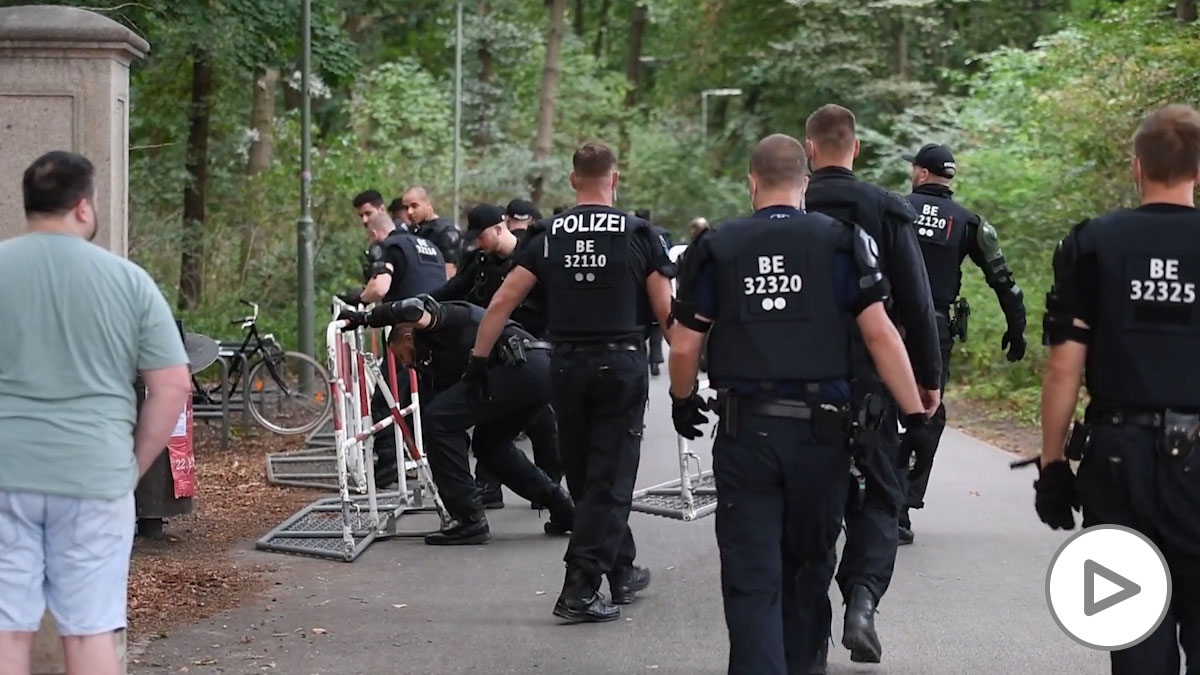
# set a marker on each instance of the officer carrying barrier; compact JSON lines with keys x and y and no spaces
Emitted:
{"x":691,"y":497}
{"x":343,"y":526}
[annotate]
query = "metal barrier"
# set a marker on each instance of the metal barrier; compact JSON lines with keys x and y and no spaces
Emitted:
{"x":337,"y":527}
{"x":690,"y":497}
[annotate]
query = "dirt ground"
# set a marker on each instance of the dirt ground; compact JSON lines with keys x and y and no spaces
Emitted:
{"x":994,"y":422}
{"x":189,"y":574}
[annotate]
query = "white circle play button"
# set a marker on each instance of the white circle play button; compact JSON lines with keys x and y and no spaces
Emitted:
{"x":1108,"y":587}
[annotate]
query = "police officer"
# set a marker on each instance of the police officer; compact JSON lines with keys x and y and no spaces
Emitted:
{"x":398,"y":214}
{"x":484,"y":270}
{"x":654,"y":334}
{"x":519,"y":215}
{"x":398,"y":265}
{"x":872,"y":521}
{"x":948,"y":233}
{"x":779,"y":291}
{"x":437,"y":338}
{"x":424,"y":222}
{"x":1124,"y":312}
{"x":603,"y":272}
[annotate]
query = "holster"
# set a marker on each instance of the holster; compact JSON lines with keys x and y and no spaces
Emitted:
{"x":1079,"y":439}
{"x":867,"y":418}
{"x":512,"y":351}
{"x":959,"y":316}
{"x":858,"y":488}
{"x":1179,"y":434}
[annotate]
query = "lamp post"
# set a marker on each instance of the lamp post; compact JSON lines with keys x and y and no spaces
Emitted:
{"x":704,"y":105}
{"x":304,"y":227}
{"x":458,"y":47}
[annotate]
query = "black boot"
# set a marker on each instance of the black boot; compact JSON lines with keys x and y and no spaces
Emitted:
{"x":906,"y":533}
{"x":490,"y":494}
{"x":581,"y":602}
{"x":471,"y":530}
{"x":625,"y":581}
{"x":858,"y":633}
{"x":821,"y":663}
{"x":562,"y":512}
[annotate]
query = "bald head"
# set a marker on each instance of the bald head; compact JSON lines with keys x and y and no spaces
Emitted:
{"x":417,"y":205}
{"x":778,"y":162}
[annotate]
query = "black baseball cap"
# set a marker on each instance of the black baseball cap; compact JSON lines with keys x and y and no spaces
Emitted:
{"x":480,"y":218}
{"x":519,"y":209}
{"x":936,"y":158}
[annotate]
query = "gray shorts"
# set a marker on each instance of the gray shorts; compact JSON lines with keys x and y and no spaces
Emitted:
{"x":68,"y":554}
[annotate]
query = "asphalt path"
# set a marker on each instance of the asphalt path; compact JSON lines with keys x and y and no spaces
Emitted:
{"x":968,"y":596}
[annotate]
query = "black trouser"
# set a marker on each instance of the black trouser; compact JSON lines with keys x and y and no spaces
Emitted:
{"x":1123,"y":480}
{"x":600,"y":399}
{"x":655,"y":337}
{"x":920,"y":459}
{"x":872,"y":526}
{"x":517,"y":392}
{"x":780,"y":497}
{"x":543,"y":436}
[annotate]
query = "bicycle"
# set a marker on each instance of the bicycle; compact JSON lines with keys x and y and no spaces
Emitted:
{"x":274,"y":381}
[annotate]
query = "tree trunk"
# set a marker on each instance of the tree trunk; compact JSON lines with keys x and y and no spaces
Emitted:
{"x":262,"y":121}
{"x":486,"y":73}
{"x":191,"y":276}
{"x":601,"y":28}
{"x":544,"y":142}
{"x":1185,"y":11}
{"x":580,"y":19}
{"x":633,"y":62}
{"x":901,"y":48}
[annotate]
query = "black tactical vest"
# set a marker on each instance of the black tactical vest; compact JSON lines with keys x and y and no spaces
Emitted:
{"x":777,"y":314}
{"x":941,"y":228}
{"x":1145,"y":348}
{"x":425,"y":270}
{"x":590,"y":287}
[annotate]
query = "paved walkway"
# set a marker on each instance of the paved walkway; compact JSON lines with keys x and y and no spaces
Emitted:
{"x":968,"y":597}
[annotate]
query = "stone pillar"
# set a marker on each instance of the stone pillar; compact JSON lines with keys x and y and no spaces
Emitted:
{"x":64,"y":85}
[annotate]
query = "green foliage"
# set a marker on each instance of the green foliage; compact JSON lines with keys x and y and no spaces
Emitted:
{"x":1038,"y":99}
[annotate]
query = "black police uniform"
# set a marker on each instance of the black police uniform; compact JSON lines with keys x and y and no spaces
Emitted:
{"x":416,"y":267}
{"x":445,"y":236}
{"x":593,"y":262}
{"x":872,"y":522}
{"x":654,"y":334}
{"x":782,"y":288}
{"x":477,"y":282}
{"x":519,"y":386}
{"x":948,"y":233}
{"x":1133,"y":276}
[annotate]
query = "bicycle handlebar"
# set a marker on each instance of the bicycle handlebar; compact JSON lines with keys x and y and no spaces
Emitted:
{"x":248,"y":319}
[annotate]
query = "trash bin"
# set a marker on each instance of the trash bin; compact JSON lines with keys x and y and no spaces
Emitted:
{"x":168,"y":487}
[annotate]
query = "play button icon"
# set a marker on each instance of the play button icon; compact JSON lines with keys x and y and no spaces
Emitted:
{"x":1108,"y":587}
{"x":1126,"y":588}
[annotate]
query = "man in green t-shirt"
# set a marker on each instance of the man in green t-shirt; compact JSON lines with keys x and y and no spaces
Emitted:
{"x":79,"y":325}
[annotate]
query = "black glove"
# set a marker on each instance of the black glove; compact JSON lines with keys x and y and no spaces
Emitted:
{"x":1056,"y":496}
{"x":353,"y":319}
{"x":687,"y":415}
{"x":476,"y":377}
{"x":351,"y":297}
{"x":409,"y":310}
{"x":917,"y":433}
{"x":430,"y":304}
{"x":1014,"y":342}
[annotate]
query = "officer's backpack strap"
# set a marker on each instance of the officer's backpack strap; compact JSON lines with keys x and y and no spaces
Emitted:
{"x":683,"y":305}
{"x":1058,"y":323}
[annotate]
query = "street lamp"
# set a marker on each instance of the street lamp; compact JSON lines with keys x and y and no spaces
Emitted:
{"x":304,"y":226}
{"x":704,"y":105}
{"x":458,"y":55}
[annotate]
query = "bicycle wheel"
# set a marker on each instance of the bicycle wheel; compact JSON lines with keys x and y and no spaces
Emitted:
{"x":276,"y":399}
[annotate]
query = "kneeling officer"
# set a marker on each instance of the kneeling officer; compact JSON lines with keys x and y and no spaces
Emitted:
{"x":781,"y":292}
{"x":438,"y":339}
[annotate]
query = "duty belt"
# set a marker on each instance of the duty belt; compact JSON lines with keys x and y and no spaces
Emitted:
{"x":512,"y":350}
{"x":831,"y":423}
{"x":796,"y":410}
{"x":1121,"y":418}
{"x":617,"y":346}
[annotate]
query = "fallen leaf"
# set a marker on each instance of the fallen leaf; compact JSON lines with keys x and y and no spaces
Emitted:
{"x":204,"y":662}
{"x":540,"y":593}
{"x":401,"y":606}
{"x":319,"y":631}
